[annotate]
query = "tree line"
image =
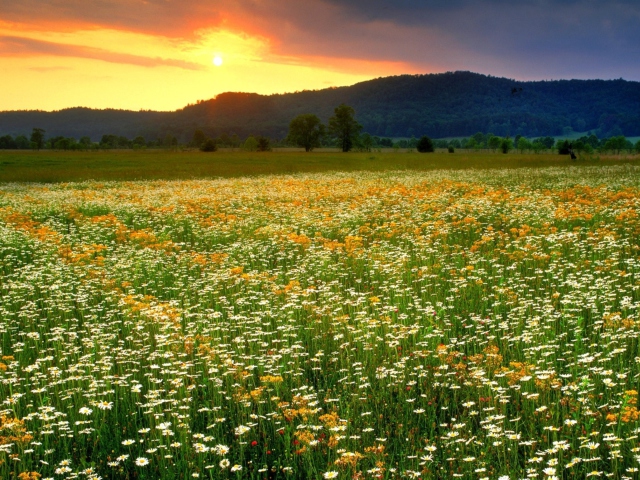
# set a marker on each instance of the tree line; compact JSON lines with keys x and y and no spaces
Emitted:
{"x":342,"y":131}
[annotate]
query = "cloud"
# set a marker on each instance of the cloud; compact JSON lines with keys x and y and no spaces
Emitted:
{"x":523,"y":39}
{"x":21,"y":46}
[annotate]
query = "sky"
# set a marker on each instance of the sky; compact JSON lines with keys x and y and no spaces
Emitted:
{"x":159,"y":54}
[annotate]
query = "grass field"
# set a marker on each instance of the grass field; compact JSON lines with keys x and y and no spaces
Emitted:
{"x":56,"y":166}
{"x":461,"y":323}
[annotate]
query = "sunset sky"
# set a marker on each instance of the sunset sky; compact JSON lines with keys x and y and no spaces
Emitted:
{"x":159,"y":54}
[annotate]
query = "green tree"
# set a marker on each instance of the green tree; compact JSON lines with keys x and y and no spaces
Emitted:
{"x":250,"y":144}
{"x":365,"y":142}
{"x":37,"y":138}
{"x":425,"y":144}
{"x":637,"y":146}
{"x":109,"y":141}
{"x":616,"y":144}
{"x":85,"y":142}
{"x":479,"y":139}
{"x":306,"y":131}
{"x":139,"y":142}
{"x":506,"y":145}
{"x":22,"y":142}
{"x":198,"y":138}
{"x":494,"y":142}
{"x":7,"y":142}
{"x":523,"y":144}
{"x":344,"y":127}
{"x":64,"y":144}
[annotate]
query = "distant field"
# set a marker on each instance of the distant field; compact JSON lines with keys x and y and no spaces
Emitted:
{"x":48,"y":167}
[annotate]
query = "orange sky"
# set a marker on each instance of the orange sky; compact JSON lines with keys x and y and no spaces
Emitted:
{"x":157,"y":54}
{"x":99,"y":60}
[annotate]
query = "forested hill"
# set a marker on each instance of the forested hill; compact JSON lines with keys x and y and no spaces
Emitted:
{"x":438,"y":105}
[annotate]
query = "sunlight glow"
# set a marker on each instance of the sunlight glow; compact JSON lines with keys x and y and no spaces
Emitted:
{"x":217,"y":60}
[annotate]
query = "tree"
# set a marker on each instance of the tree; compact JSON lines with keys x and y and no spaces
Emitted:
{"x":22,"y":142}
{"x":479,"y":139}
{"x":138,"y":142}
{"x":306,"y":131}
{"x":506,"y":144}
{"x":198,"y":138}
{"x":344,"y":127}
{"x":564,"y":147}
{"x":616,"y":144}
{"x":109,"y":141}
{"x":85,"y":142}
{"x":365,"y":142}
{"x":7,"y":142}
{"x":523,"y":144}
{"x":425,"y":144}
{"x":264,"y":145}
{"x":250,"y":144}
{"x":208,"y":145}
{"x":37,"y":138}
{"x":494,"y":142}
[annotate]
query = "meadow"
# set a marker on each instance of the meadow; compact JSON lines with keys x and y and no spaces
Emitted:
{"x":405,"y":323}
{"x":155,"y":164}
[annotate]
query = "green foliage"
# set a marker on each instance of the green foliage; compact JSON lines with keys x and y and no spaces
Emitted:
{"x":365,"y":142}
{"x":616,"y":144}
{"x":523,"y":144}
{"x":425,"y":145}
{"x":208,"y":145}
{"x":22,"y":142}
{"x":37,"y":138}
{"x":198,"y":138}
{"x":563,"y":147}
{"x":451,"y":149}
{"x":85,"y":142}
{"x":250,"y":144}
{"x":115,"y":141}
{"x":126,"y":164}
{"x":331,"y":327}
{"x":344,"y":127}
{"x":506,"y":145}
{"x":7,"y":142}
{"x":306,"y":131}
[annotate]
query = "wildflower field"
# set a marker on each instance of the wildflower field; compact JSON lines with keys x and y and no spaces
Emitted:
{"x":461,"y":324}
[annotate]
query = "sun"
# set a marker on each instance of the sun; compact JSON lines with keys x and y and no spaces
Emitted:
{"x":217,"y":60}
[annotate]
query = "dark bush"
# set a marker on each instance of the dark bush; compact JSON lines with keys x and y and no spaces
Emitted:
{"x":208,"y":145}
{"x":264,"y":145}
{"x":425,"y":144}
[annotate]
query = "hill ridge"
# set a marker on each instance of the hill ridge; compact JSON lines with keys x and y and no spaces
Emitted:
{"x":458,"y":103}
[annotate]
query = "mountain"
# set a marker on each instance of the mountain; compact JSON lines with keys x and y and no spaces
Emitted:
{"x":439,"y":105}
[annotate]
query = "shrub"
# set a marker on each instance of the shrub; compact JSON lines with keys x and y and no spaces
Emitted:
{"x":450,"y":149}
{"x":564,"y":148}
{"x":425,"y":144}
{"x":208,"y":145}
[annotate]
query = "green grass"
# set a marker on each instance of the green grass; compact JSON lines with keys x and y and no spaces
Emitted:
{"x":50,"y":167}
{"x":367,"y":325}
